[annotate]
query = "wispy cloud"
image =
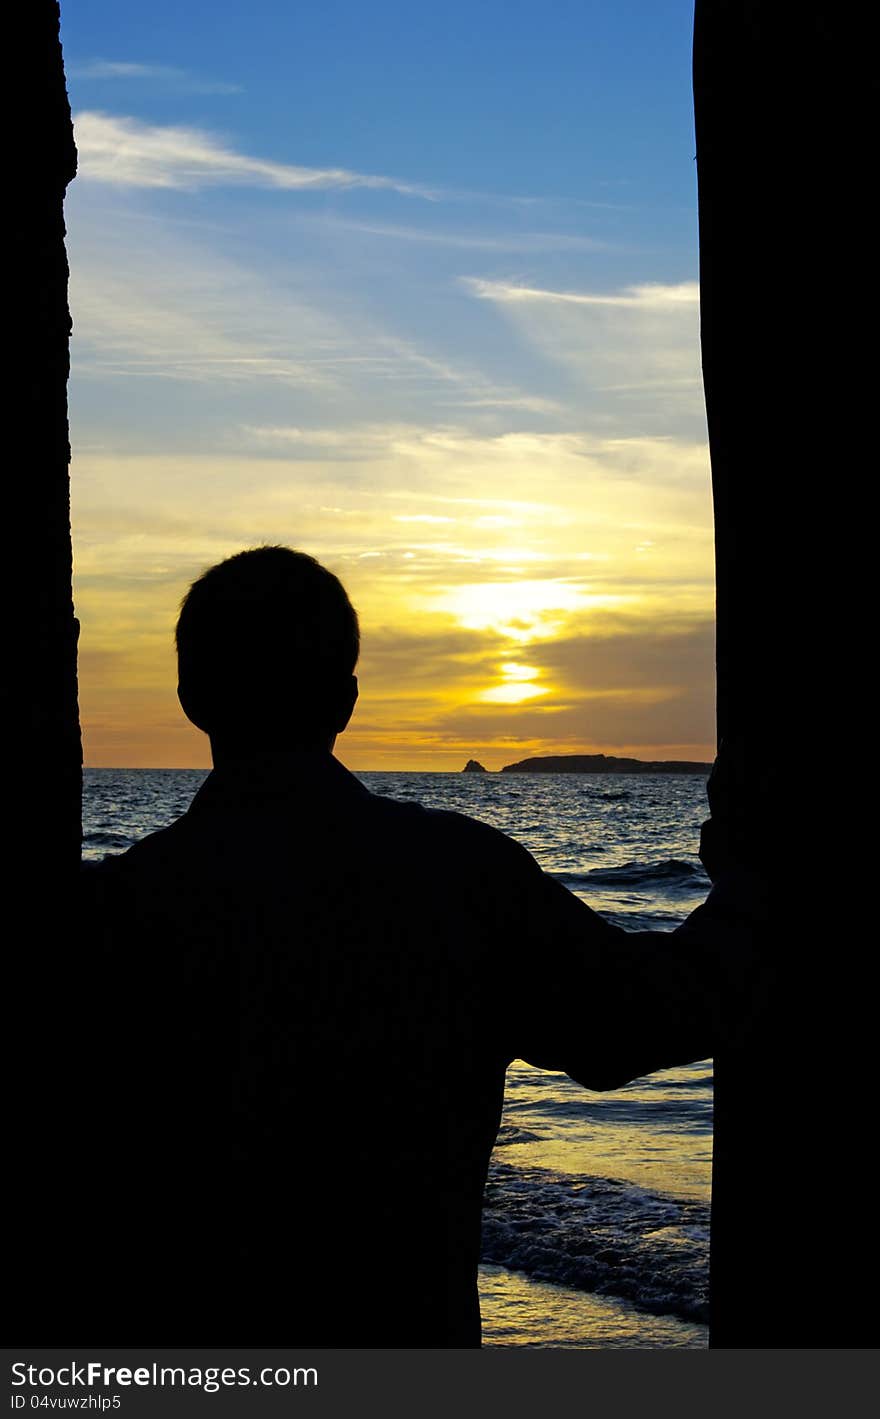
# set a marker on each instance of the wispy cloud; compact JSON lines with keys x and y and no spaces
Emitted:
{"x":181,"y":80}
{"x":143,"y":319}
{"x":468,"y":240}
{"x":633,"y":353}
{"x":528,"y":403}
{"x":647,"y":297}
{"x":125,"y":152}
{"x":164,"y":305}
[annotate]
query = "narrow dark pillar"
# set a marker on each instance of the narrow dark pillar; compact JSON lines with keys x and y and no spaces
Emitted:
{"x":39,"y":731}
{"x":41,"y":727}
{"x":781,"y":286}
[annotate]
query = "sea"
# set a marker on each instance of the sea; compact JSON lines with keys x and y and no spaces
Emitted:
{"x":596,"y":1217}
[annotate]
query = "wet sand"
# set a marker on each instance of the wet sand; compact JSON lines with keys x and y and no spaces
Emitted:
{"x":518,"y":1311}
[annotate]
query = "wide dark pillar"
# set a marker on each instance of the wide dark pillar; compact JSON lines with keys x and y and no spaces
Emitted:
{"x":782,"y":199}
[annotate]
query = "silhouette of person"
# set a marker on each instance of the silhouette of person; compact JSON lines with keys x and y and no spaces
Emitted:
{"x":310,"y":995}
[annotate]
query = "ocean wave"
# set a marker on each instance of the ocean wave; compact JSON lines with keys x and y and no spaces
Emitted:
{"x":669,"y":871}
{"x":106,"y":839}
{"x":601,"y":1235}
{"x":664,"y":1112}
{"x":510,"y":1133}
{"x":646,"y":921}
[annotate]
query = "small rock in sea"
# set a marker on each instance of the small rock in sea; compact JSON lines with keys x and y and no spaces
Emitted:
{"x":472,"y":767}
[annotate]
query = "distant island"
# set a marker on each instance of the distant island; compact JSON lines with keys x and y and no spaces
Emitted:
{"x":473,"y":767}
{"x":603,"y":764}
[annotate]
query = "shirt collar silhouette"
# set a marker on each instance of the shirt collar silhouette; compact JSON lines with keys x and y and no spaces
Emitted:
{"x":299,"y":773}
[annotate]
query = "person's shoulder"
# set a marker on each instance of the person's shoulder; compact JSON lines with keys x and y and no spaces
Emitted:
{"x":454,"y":835}
{"x":155,"y":850}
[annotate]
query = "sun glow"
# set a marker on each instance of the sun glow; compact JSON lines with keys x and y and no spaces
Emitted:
{"x":522,"y":611}
{"x":517,"y":685}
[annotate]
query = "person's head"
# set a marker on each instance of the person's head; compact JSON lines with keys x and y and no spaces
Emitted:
{"x":267,"y":643}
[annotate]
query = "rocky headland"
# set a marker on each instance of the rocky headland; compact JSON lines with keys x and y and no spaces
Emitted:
{"x":604,"y":764}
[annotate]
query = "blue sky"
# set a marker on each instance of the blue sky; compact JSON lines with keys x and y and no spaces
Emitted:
{"x":555,"y":100}
{"x":416,"y":291}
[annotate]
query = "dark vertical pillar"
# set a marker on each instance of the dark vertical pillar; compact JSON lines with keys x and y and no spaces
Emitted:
{"x":778,"y":145}
{"x":39,"y":729}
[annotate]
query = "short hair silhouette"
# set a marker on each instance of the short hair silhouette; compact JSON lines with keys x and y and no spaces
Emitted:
{"x":267,"y":640}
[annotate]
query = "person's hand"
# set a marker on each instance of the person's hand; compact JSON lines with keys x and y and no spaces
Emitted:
{"x":714,"y":853}
{"x":740,"y":794}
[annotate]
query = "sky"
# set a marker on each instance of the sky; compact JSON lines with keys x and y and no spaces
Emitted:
{"x":412,"y":289}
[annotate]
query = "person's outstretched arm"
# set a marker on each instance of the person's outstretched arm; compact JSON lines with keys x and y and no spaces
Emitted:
{"x":606,"y":1005}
